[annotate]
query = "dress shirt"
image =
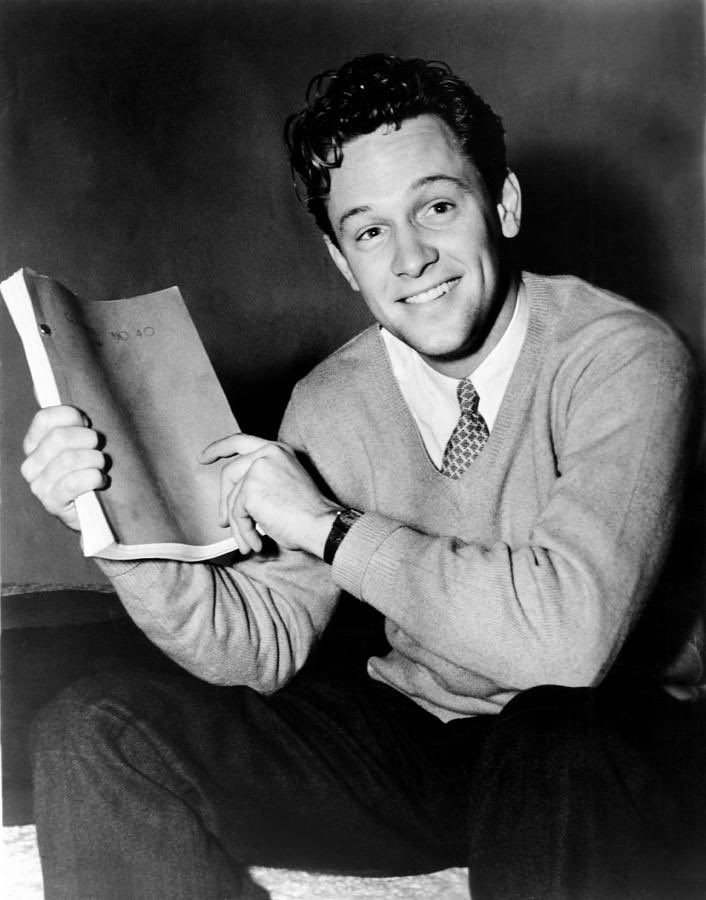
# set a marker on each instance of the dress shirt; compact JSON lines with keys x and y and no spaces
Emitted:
{"x":431,"y":396}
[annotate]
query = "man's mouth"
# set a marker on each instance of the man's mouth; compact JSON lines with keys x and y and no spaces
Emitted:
{"x":433,"y":293}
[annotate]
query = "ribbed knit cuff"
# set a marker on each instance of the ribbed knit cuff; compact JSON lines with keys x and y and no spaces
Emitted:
{"x":361,"y":543}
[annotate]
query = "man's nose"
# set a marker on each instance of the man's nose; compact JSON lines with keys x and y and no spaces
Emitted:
{"x":413,"y":252}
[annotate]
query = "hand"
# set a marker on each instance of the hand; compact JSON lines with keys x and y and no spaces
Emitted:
{"x":266,"y":486}
{"x":62,"y":460}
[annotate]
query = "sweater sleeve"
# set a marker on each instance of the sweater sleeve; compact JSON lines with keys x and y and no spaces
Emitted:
{"x":252,"y":623}
{"x":557,"y":608}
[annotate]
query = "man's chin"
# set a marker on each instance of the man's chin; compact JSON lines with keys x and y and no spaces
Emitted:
{"x":446,"y":357}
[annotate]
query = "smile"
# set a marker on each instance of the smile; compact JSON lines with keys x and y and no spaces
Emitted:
{"x":433,"y":293}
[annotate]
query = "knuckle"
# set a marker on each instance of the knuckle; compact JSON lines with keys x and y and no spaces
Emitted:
{"x":54,"y":441}
{"x":70,"y":415}
{"x":228,"y":470}
{"x":28,"y":443}
{"x":72,"y":484}
{"x":260,"y":465}
{"x":282,"y":448}
{"x":26,"y":470}
{"x":91,"y":437}
{"x":96,"y":480}
{"x":71,"y":459}
{"x":44,"y":417}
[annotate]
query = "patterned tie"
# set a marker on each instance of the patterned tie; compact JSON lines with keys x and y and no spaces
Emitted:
{"x":468,"y":437}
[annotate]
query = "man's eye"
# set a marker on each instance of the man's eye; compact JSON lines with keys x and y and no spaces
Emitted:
{"x":369,"y":233}
{"x":441,"y":207}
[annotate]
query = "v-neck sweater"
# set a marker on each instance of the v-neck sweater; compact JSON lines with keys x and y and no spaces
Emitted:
{"x":432,"y":397}
{"x":531,"y":568}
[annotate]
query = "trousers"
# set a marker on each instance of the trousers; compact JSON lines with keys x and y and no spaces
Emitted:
{"x":151,"y":784}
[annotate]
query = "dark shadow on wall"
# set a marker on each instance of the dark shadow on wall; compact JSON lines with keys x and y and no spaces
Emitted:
{"x":580,"y":218}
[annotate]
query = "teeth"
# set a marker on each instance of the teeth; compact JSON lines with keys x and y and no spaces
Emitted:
{"x":433,"y":293}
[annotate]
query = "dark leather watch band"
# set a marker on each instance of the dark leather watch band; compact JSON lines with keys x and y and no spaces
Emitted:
{"x":341,"y":524}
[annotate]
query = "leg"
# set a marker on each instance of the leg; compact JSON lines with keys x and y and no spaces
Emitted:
{"x":153,"y":785}
{"x":115,"y":808}
{"x":584,"y":794}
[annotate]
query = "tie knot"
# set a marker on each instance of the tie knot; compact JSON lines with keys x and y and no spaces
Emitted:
{"x":467,"y":396}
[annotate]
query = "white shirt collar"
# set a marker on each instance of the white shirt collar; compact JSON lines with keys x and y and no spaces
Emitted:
{"x":431,"y":396}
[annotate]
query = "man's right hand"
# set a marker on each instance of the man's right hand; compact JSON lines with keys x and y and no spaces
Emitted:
{"x":62,"y":460}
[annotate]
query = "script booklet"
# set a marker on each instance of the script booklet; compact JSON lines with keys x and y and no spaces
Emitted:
{"x":138,"y":369}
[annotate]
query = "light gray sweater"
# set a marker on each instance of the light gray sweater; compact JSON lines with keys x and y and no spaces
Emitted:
{"x":531,"y":568}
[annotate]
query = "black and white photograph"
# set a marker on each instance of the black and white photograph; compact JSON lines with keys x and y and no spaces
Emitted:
{"x":352,"y":449}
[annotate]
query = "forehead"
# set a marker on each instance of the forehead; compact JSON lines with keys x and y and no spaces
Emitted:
{"x":390,"y":162}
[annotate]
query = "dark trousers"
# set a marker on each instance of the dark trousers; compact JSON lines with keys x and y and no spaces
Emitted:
{"x":155,"y":785}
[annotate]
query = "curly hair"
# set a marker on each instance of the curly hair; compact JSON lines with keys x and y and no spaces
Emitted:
{"x":381,"y":89}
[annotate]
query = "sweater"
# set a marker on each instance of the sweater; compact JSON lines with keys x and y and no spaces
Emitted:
{"x":532,"y":568}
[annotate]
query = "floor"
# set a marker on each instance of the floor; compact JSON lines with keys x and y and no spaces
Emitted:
{"x":21,"y":879}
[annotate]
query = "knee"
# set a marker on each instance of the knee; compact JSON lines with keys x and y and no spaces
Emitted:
{"x":80,"y":719}
{"x":551,"y":723}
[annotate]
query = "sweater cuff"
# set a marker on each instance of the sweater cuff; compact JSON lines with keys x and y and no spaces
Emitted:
{"x":357,"y":549}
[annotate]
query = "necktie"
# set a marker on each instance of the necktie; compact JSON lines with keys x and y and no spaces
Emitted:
{"x":468,"y":437}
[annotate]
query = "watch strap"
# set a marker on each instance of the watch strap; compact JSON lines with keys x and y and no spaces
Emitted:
{"x":339,"y":529}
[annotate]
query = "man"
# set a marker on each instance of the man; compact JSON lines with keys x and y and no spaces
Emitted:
{"x":496,"y":469}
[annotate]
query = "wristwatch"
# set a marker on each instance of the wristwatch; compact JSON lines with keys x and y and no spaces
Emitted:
{"x":339,"y":529}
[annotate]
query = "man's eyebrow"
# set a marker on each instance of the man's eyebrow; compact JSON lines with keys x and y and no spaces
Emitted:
{"x":433,"y":179}
{"x":349,"y":213}
{"x":461,"y":183}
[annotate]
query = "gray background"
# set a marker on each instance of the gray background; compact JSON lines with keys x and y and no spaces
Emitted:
{"x":141,"y":147}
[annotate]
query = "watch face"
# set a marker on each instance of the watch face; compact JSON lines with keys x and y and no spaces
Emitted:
{"x":347,"y":517}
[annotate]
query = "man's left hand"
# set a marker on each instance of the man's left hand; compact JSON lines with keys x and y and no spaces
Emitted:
{"x":265,"y":486}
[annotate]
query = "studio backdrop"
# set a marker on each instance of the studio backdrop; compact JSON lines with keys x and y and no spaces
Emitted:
{"x":141,"y":146}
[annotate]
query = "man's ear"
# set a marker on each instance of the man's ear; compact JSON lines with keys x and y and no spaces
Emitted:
{"x":340,"y":261}
{"x":510,"y":206}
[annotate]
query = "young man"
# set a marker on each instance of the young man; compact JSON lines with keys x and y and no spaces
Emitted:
{"x":496,"y":469}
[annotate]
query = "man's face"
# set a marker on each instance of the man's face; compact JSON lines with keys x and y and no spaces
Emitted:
{"x":420,"y":238}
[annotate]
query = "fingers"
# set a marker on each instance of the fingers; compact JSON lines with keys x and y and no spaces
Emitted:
{"x":233,"y":510}
{"x":63,"y":460}
{"x":258,"y":477}
{"x":236,"y":489}
{"x":232,"y":507}
{"x":237,"y":469}
{"x":49,"y":418}
{"x":232,"y":475}
{"x":242,"y":525}
{"x":233,"y":445}
{"x":66,"y":478}
{"x":59,"y":442}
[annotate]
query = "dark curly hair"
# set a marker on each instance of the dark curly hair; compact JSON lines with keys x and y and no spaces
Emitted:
{"x":381,"y":89}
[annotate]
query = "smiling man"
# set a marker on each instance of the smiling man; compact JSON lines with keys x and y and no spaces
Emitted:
{"x":489,"y":477}
{"x":424,"y":248}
